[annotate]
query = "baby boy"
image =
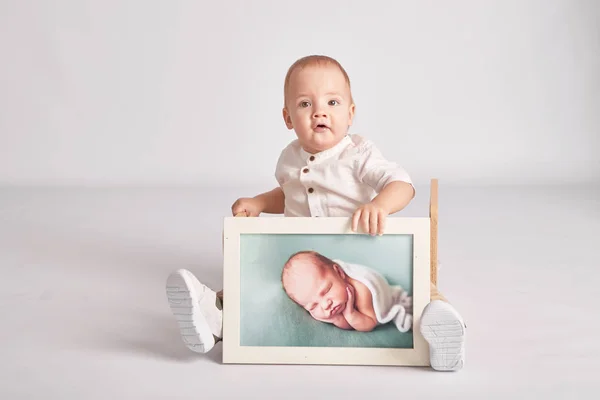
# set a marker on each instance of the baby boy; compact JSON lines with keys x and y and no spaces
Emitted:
{"x":360,"y":301}
{"x":324,"y":172}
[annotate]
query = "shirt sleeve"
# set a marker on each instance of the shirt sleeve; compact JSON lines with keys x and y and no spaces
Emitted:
{"x":283,"y":163}
{"x":376,"y":171}
{"x":278,"y":174}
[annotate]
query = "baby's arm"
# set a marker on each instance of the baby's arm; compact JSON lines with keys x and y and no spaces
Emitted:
{"x":360,"y":321}
{"x":341,"y":322}
{"x":362,"y":317}
{"x":393,"y":197}
{"x":271,"y":202}
{"x":338,"y":321}
{"x":393,"y":187}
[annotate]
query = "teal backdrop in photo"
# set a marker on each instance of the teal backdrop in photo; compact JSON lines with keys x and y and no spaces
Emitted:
{"x":269,"y":318}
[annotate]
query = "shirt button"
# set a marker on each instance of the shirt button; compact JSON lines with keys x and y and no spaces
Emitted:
{"x":305,"y":170}
{"x":312,"y":158}
{"x":310,"y":190}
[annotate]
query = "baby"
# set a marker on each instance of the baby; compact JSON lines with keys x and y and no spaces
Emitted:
{"x":324,"y":172}
{"x":349,"y":296}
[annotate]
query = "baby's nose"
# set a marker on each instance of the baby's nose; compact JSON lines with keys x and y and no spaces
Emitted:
{"x":319,"y":114}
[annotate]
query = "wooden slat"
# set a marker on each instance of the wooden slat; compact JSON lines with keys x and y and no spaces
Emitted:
{"x":433,"y":216}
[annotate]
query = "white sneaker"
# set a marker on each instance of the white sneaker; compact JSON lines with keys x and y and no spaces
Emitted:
{"x":444,"y":330}
{"x":194,"y":305}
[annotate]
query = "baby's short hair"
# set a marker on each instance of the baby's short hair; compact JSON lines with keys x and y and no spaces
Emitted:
{"x":290,"y":268}
{"x":310,"y":61}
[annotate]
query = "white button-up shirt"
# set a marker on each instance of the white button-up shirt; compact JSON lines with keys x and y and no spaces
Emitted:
{"x":335,"y":182}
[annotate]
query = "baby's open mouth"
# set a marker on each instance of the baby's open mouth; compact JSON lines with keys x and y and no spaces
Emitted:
{"x":321,"y":127}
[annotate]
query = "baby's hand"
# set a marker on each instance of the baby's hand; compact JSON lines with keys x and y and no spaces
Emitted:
{"x":372,"y":218}
{"x":249,"y":206}
{"x":350,"y":302}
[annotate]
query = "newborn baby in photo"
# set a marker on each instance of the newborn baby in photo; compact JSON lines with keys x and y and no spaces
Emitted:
{"x":349,"y":296}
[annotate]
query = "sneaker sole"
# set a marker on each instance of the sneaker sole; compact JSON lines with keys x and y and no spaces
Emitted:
{"x":183,"y":301}
{"x":445,"y":332}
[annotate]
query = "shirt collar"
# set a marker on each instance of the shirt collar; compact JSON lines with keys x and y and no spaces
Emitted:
{"x":335,"y":150}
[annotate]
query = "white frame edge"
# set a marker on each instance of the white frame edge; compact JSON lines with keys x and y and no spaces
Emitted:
{"x":233,"y":353}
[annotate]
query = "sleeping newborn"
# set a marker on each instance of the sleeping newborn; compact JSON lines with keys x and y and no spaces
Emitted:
{"x":349,"y":296}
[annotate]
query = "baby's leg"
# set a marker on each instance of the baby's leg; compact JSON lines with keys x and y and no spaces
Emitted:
{"x":197,"y":309}
{"x":443,"y":328}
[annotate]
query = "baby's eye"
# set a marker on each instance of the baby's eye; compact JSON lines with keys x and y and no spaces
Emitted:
{"x":304,"y":104}
{"x":333,"y":102}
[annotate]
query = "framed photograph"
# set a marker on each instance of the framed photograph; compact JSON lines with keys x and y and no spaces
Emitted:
{"x":311,"y":291}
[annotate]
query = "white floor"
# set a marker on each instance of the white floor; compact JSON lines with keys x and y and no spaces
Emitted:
{"x":84,"y":313}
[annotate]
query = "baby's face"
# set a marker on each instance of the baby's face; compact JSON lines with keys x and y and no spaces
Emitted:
{"x":319,"y":107}
{"x":321,"y":290}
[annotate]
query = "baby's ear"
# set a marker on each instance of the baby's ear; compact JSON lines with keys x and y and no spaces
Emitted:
{"x":339,"y":271}
{"x":351,"y":114}
{"x":287,"y":119}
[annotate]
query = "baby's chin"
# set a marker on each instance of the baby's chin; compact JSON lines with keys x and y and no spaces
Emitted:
{"x":322,"y":141}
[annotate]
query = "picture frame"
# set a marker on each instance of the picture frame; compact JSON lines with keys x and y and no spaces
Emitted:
{"x":261,"y":325}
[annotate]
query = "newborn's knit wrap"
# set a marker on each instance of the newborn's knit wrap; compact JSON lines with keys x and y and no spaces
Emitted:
{"x":390,"y":302}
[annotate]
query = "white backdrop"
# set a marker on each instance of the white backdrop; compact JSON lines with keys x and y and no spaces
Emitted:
{"x":190,"y":92}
